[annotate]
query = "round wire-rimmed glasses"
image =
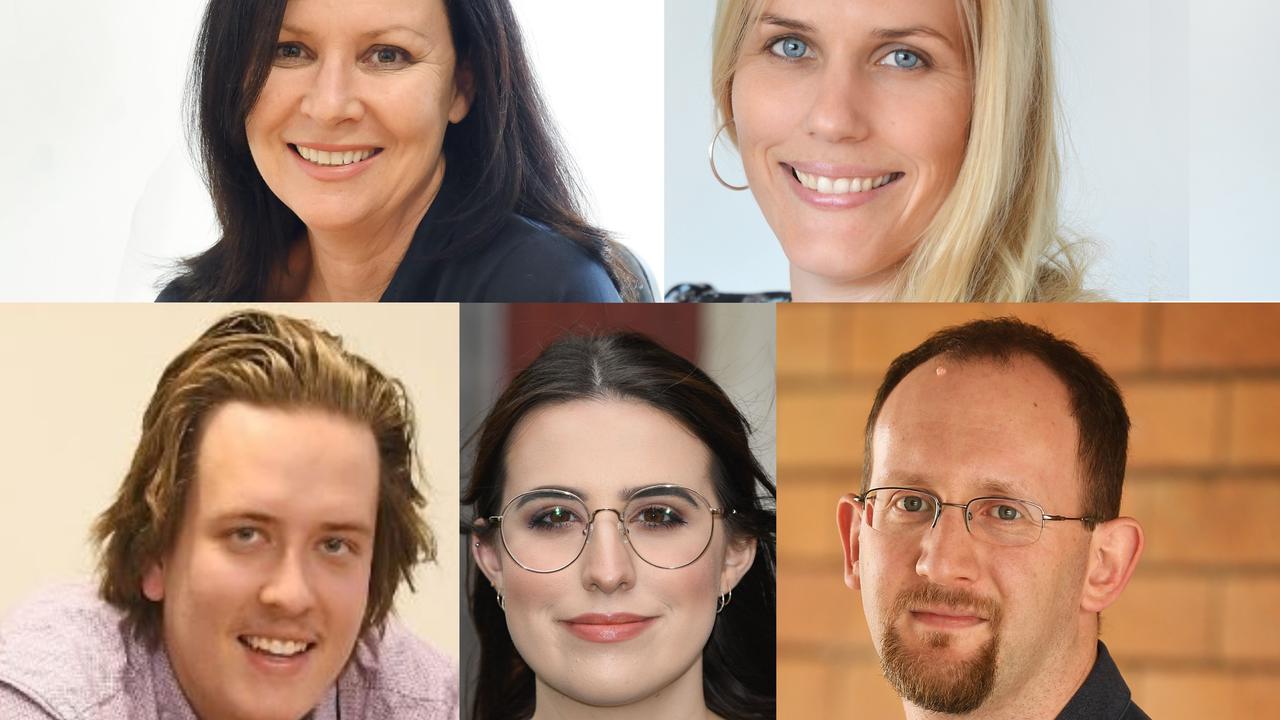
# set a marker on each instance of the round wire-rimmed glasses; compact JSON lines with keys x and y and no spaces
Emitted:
{"x":667,"y":526}
{"x":998,"y":520}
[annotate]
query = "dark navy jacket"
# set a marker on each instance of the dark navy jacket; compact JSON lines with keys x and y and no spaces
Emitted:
{"x":524,"y":262}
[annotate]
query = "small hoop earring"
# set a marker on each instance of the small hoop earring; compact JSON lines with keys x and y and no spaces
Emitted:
{"x":724,"y":601}
{"x":711,"y":155}
{"x":501,"y":602}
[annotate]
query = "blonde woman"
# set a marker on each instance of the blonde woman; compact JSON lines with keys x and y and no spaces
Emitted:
{"x":899,"y":151}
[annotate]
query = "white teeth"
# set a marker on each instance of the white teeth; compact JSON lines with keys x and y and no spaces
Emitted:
{"x":841,"y":186}
{"x":325,"y":157}
{"x":284,"y":648}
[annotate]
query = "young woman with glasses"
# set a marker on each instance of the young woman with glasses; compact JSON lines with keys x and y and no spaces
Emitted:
{"x":625,"y":536}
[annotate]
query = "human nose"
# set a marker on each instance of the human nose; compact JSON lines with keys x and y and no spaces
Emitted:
{"x":332,"y":97}
{"x":948,"y":555}
{"x":288,"y":587}
{"x":607,"y":563}
{"x":838,"y":112}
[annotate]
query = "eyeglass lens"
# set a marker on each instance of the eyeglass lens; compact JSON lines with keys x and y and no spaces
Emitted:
{"x":668,"y":527}
{"x":1001,"y":521}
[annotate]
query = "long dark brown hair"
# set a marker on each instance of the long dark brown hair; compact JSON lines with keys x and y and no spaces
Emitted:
{"x":738,"y":661}
{"x":505,"y":154}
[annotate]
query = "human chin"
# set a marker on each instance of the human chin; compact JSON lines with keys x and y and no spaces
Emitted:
{"x":285,"y":684}
{"x":939,"y":647}
{"x":954,"y":684}
{"x":623,"y":673}
{"x":842,"y":253}
{"x":842,"y":244}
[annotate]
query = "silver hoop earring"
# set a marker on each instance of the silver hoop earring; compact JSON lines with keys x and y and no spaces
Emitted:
{"x":724,"y":601}
{"x":501,"y":602}
{"x":711,"y":155}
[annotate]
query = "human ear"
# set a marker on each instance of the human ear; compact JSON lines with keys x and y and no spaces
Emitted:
{"x":464,"y":93}
{"x":153,"y":582}
{"x":738,"y":558}
{"x":849,"y":522}
{"x":487,"y":557}
{"x":1114,"y":550}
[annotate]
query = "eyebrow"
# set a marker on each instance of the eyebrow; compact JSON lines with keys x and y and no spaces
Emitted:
{"x":650,"y":491}
{"x":881,"y":33}
{"x":915,"y":30}
{"x":998,"y":487}
{"x":539,"y":492}
{"x":265,"y":519}
{"x":294,"y":30}
{"x":787,"y":23}
{"x":624,"y":495}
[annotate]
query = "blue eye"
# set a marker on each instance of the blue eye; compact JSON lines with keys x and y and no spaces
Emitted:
{"x":904,"y":59}
{"x":790,"y":48}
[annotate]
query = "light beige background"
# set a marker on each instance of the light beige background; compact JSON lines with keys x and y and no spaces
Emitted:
{"x":75,"y":379}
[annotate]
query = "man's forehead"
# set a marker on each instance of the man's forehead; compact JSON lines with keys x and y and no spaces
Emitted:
{"x":285,"y":463}
{"x":978,"y":427}
{"x":1015,"y":379}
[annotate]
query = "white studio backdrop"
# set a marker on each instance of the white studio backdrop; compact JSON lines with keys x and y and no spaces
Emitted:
{"x":1171,"y":160}
{"x":1234,"y":163}
{"x":99,"y":195}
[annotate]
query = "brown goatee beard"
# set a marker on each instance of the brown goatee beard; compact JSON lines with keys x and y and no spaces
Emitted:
{"x":946,"y":687}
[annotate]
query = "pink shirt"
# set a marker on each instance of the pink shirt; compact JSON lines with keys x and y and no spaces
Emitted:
{"x":64,"y":655}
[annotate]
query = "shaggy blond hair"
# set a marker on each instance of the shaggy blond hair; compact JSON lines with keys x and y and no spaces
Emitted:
{"x":271,"y":361}
{"x":996,"y":237}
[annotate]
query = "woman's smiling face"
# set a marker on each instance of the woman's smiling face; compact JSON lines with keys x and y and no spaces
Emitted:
{"x":348,"y":128}
{"x":852,"y":120}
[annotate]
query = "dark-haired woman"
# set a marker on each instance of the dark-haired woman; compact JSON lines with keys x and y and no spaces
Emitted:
{"x":391,"y":149}
{"x":625,"y":532}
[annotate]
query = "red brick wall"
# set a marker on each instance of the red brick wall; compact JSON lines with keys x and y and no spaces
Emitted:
{"x":1197,"y":632}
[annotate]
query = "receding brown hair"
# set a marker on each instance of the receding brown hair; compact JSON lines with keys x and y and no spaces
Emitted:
{"x":1096,"y":403}
{"x":271,"y":361}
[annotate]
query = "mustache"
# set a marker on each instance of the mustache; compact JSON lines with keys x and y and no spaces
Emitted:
{"x":931,"y":595}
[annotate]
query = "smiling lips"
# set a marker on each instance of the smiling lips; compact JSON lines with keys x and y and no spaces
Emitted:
{"x":334,"y":162}
{"x":838,"y":187}
{"x":946,"y":618}
{"x":844,"y":185}
{"x":608,"y":627}
{"x":276,"y":646}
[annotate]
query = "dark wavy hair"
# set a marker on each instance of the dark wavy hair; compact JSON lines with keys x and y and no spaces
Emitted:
{"x":1096,"y":402}
{"x":505,"y":155}
{"x":271,"y":361}
{"x":738,"y":660}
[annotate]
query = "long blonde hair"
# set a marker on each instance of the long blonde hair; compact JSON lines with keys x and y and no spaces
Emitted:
{"x":996,"y":237}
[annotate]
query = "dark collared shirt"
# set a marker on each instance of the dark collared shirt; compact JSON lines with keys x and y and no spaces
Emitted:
{"x":1104,"y":694}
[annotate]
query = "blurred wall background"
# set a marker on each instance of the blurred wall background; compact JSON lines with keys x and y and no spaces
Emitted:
{"x":1196,"y":633}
